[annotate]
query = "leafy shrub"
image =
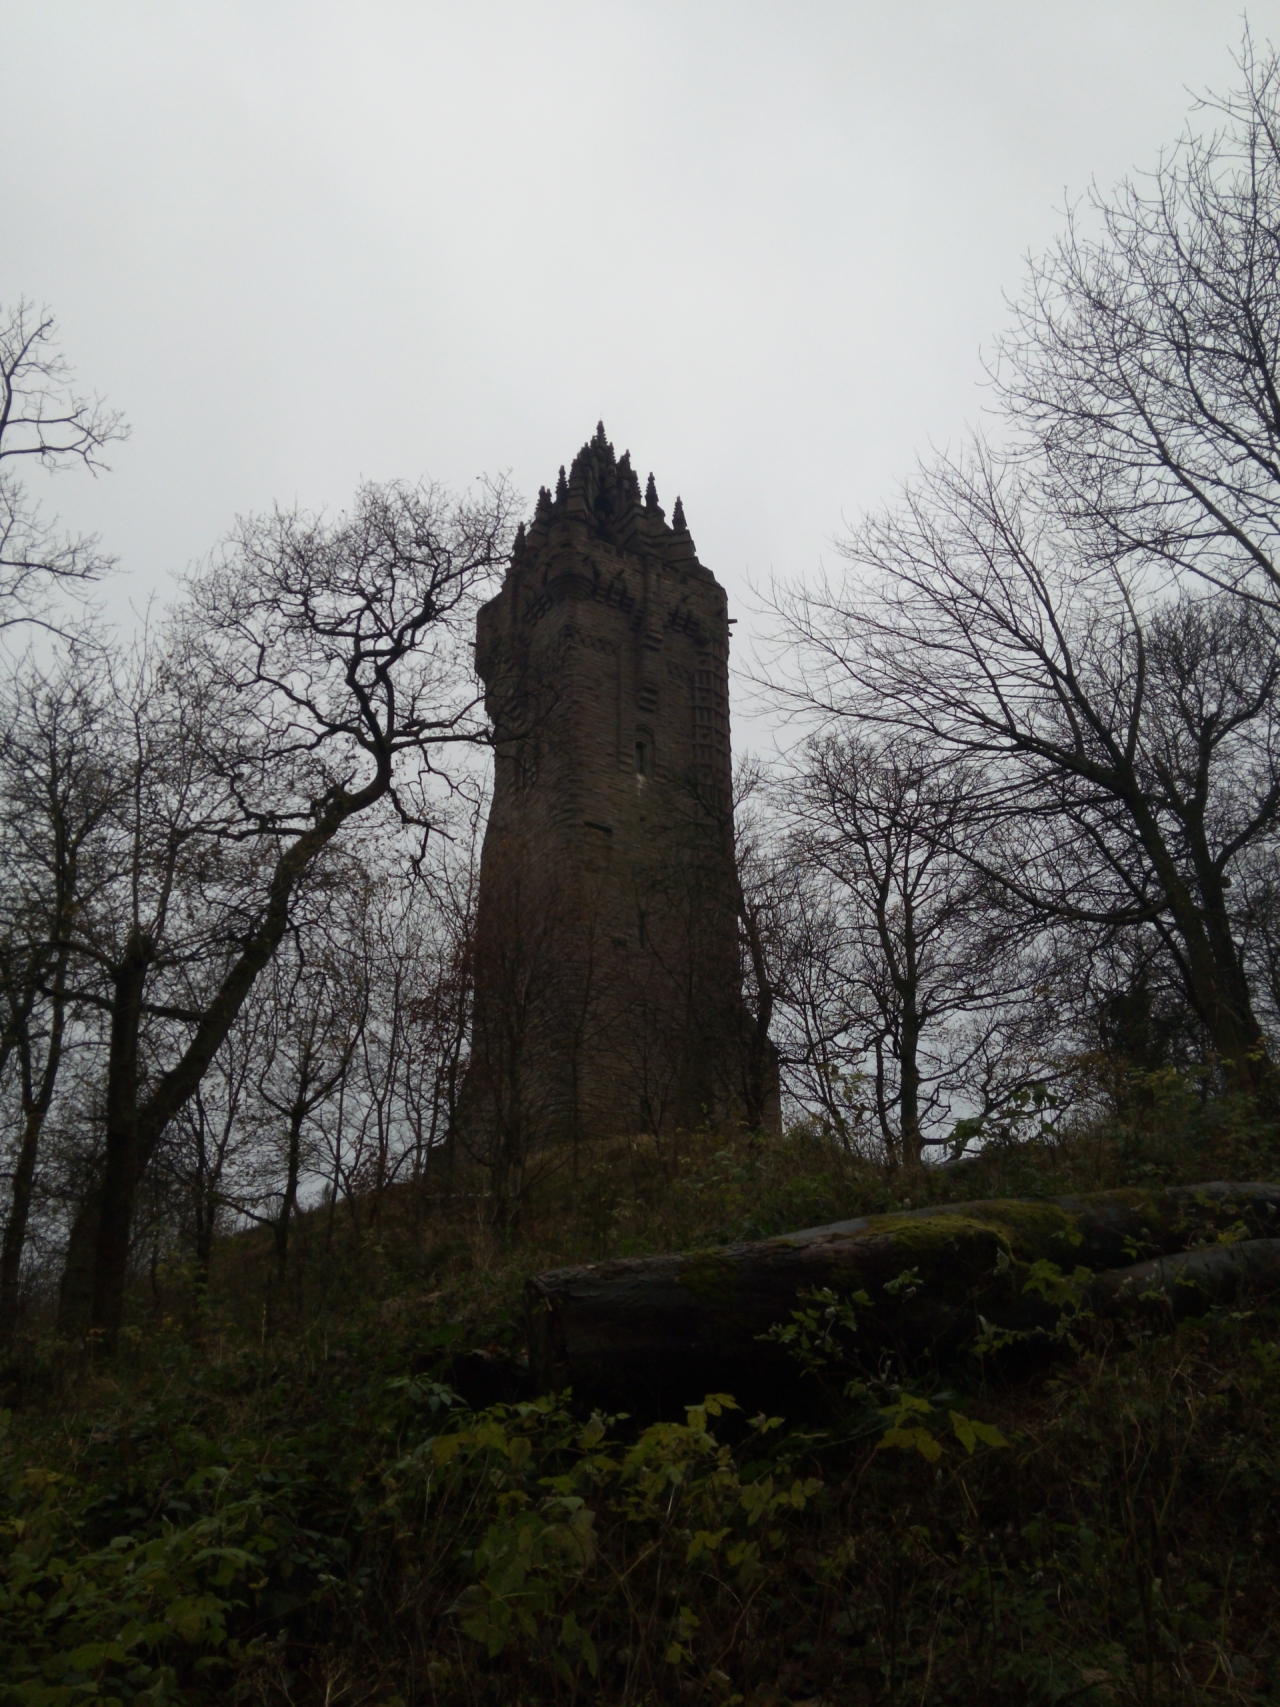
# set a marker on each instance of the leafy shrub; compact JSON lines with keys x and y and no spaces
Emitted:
{"x":84,"y":1623}
{"x":301,"y":1510}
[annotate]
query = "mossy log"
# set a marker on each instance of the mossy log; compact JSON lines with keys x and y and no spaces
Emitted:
{"x":1172,"y":1288}
{"x":651,"y":1334}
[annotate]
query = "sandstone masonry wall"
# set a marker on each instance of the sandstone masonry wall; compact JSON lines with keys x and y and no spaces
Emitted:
{"x":608,"y":995}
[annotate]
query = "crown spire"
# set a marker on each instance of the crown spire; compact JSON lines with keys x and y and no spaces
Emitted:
{"x":602,"y":491}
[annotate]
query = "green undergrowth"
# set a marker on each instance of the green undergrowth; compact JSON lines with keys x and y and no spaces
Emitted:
{"x":275,"y":1494}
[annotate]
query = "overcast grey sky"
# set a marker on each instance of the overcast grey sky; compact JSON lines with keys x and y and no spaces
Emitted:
{"x":301,"y":242}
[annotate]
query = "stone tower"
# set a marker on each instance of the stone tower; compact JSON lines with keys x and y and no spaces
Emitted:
{"x":608,"y":986}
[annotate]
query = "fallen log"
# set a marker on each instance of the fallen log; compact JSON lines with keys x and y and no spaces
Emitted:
{"x":654,"y":1333}
{"x":1188,"y":1284}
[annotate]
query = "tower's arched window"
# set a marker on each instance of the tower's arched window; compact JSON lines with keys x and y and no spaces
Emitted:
{"x":642,"y":758}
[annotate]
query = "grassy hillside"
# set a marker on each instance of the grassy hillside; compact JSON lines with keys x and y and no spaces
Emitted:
{"x":275,"y":1494}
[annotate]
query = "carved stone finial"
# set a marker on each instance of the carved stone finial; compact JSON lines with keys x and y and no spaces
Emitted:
{"x":627,"y":477}
{"x":651,"y":494}
{"x":544,"y":502}
{"x":562,"y":486}
{"x":677,"y":517}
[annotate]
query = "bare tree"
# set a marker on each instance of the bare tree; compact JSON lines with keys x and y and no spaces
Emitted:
{"x":815,"y":1006}
{"x":1088,"y":615}
{"x":1143,"y":366}
{"x":316,"y":1014}
{"x":935,"y":1009}
{"x":761,"y":884}
{"x":323,"y":671}
{"x":1125,"y":737}
{"x":157,"y":926}
{"x":386,"y":954}
{"x":441,"y":1001}
{"x":57,"y":785}
{"x":1256,"y":912}
{"x":213,"y":1136}
{"x":44,"y":421}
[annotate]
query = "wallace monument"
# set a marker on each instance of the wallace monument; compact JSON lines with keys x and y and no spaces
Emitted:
{"x":608,"y":981}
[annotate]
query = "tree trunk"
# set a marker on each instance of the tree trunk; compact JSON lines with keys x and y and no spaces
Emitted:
{"x":651,"y":1334}
{"x":909,"y":1080}
{"x":297,"y":1114}
{"x":901,"y":960}
{"x":15,"y":1231}
{"x":122,"y":1164}
{"x":35,"y":1107}
{"x":75,"y":1290}
{"x":1215,"y":979}
{"x":760,"y":1088}
{"x":207,"y":1221}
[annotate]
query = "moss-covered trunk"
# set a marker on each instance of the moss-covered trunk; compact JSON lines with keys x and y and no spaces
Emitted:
{"x":654,"y":1333}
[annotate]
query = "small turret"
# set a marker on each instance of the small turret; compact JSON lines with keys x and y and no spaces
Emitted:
{"x":541,"y":525}
{"x":627,"y":477}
